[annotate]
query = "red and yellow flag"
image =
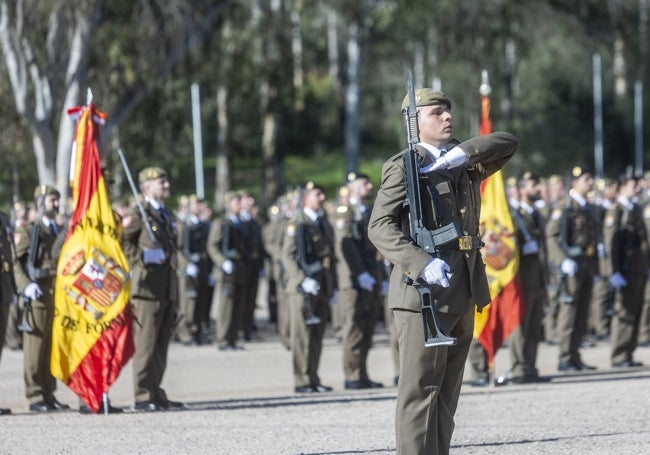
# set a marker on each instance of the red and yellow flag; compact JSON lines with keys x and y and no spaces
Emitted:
{"x":495,"y":323}
{"x":91,"y":332}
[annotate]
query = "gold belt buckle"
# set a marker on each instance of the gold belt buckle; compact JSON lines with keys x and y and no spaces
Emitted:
{"x":590,"y":251}
{"x":465,"y":242}
{"x":326,"y":262}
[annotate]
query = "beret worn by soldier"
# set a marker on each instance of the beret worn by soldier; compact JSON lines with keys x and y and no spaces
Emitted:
{"x":579,"y":171}
{"x":151,"y":173}
{"x":427,"y":97}
{"x":525,"y":176}
{"x":45,"y":190}
{"x":313,"y":186}
{"x":352,"y":176}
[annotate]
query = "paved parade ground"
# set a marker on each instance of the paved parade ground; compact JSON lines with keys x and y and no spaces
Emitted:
{"x":243,"y":403}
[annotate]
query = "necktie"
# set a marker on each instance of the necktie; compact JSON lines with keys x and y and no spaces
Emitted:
{"x":163,"y":213}
{"x":53,"y":229}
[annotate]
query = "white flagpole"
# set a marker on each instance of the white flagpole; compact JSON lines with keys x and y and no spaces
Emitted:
{"x":198,"y":143}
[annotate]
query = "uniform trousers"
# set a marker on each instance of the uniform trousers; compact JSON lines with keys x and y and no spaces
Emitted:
{"x":152,"y":331}
{"x":359,"y":310}
{"x":37,"y":346}
{"x":230,"y":310}
{"x":430,"y":382}
{"x":625,"y":323}
{"x":307,"y":340}
{"x":525,"y":338}
{"x":572,"y":317}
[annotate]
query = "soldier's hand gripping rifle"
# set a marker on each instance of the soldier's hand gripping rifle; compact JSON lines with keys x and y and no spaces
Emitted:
{"x":310,"y":269}
{"x":34,"y":272}
{"x":428,"y":240}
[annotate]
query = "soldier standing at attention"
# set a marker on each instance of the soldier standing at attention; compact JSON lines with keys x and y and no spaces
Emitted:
{"x":531,"y":240}
{"x":8,"y":289}
{"x":572,"y":236}
{"x":227,"y":249}
{"x":193,"y":239}
{"x":255,"y":256}
{"x":630,"y":264}
{"x":431,"y":377}
{"x":359,"y":277}
{"x":308,"y":251}
{"x":35,"y":271}
{"x":154,"y":288}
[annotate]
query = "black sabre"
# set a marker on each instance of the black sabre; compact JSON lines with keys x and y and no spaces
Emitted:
{"x":429,"y":240}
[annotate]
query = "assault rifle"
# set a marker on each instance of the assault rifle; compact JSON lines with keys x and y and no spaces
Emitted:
{"x":309,"y":268}
{"x":34,"y":272}
{"x":429,"y":240}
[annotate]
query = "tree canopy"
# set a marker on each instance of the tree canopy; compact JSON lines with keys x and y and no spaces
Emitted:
{"x":294,"y":90}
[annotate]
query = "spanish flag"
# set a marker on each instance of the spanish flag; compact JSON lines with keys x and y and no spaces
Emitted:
{"x":495,"y":323}
{"x":91,"y":332}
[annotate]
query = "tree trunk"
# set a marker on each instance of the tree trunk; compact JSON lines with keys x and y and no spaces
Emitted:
{"x":352,"y":101}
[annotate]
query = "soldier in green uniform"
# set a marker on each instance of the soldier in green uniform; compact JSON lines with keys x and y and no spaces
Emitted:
{"x":309,"y":258}
{"x":8,"y":289}
{"x":152,"y":254}
{"x":195,"y":266}
{"x":531,"y":240}
{"x":227,"y":249}
{"x":431,"y":377}
{"x":630,"y":265}
{"x":35,"y":271}
{"x":255,"y":255}
{"x":360,"y":275}
{"x":572,"y":236}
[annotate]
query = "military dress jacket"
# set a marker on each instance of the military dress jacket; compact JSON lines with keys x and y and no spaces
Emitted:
{"x":46,"y":257}
{"x":7,"y":283}
{"x":226,"y":241}
{"x":318,"y":241}
{"x":629,"y":240}
{"x":355,"y":251}
{"x":459,"y":200}
{"x":530,"y":227}
{"x":151,"y":281}
{"x":573,"y":231}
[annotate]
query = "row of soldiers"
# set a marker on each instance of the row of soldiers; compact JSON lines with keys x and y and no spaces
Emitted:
{"x":585,"y":260}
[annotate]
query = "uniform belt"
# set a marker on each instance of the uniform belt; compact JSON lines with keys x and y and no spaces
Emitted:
{"x":464,"y":243}
{"x":589,"y":251}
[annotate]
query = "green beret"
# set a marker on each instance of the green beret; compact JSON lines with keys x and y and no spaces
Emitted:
{"x":45,"y":190}
{"x":427,"y":97}
{"x":151,"y":173}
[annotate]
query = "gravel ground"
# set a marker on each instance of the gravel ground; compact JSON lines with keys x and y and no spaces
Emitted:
{"x":243,"y":403}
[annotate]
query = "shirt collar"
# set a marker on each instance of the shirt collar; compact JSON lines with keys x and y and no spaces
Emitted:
{"x":435,"y":151}
{"x":311,"y":214}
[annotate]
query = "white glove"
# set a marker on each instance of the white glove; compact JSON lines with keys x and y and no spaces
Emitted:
{"x":310,"y":286}
{"x":530,"y":247}
{"x":192,"y":270}
{"x":569,"y":267}
{"x":366,"y":281}
{"x":262,"y":273}
{"x":155,"y":256}
{"x":617,"y":281}
{"x":384,"y":288}
{"x":602,"y":252}
{"x":228,"y":267}
{"x":453,"y":158}
{"x":32,"y":291}
{"x":436,"y":272}
{"x":335,"y":297}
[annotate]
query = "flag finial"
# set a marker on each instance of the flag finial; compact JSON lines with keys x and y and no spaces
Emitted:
{"x":485,"y":88}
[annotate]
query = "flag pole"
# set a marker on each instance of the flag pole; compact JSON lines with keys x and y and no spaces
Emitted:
{"x":198,"y":141}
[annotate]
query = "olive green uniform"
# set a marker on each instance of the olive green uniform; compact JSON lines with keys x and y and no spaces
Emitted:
{"x":154,"y":296}
{"x":573,"y":232}
{"x":226,"y":241}
{"x":255,"y":255}
{"x":8,"y":290}
{"x":359,"y":307}
{"x":39,"y":382}
{"x":307,"y":340}
{"x":631,"y":258}
{"x":525,"y":339}
{"x":431,"y":378}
